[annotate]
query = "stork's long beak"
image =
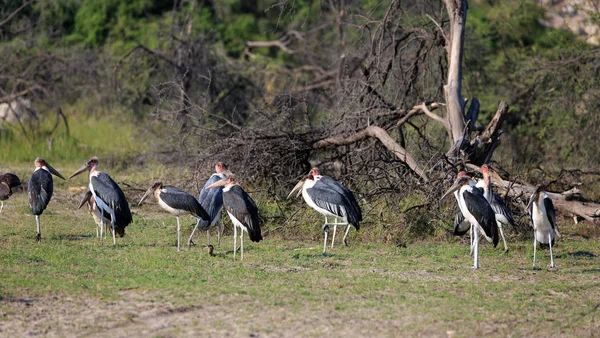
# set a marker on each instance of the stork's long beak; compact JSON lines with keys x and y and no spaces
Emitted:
{"x":297,"y":189}
{"x":452,"y":189}
{"x":148,"y":193}
{"x":86,"y":198}
{"x":217,"y":184}
{"x":52,"y":170}
{"x":80,"y":170}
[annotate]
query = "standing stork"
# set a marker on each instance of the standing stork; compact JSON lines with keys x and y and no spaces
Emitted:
{"x":40,"y":189}
{"x":109,"y":198}
{"x":8,"y":181}
{"x":100,"y":218}
{"x":543,"y":218}
{"x":177,"y":202}
{"x":212,"y":201}
{"x":241,"y":209}
{"x":461,"y":224}
{"x":329,"y":198}
{"x":501,"y":211}
{"x":477,"y":211}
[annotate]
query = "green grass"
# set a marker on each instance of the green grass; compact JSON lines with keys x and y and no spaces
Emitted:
{"x":284,"y":286}
{"x":87,"y":136}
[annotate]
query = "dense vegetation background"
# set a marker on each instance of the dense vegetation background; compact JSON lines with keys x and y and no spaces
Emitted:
{"x":258,"y":83}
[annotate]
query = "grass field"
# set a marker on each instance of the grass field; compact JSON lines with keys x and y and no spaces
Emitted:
{"x":69,"y":285}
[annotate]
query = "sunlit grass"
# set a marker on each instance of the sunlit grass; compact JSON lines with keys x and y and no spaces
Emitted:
{"x":431,"y":283}
{"x":109,"y":134}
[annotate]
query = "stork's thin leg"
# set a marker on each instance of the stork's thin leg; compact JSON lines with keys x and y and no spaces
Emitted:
{"x":346,"y":234}
{"x":208,"y":236}
{"x":112,"y":222}
{"x":334,"y":229}
{"x":534,"y":248}
{"x":242,"y":242}
{"x":234,"y":240}
{"x":551,"y":257}
{"x":178,"y":232}
{"x":97,"y":230}
{"x":192,"y":235}
{"x":476,"y":245}
{"x":220,"y":229}
{"x":1,"y":206}
{"x":326,"y":231}
{"x":471,"y":240}
{"x":502,"y":234}
{"x":38,"y":236}
{"x":101,"y":227}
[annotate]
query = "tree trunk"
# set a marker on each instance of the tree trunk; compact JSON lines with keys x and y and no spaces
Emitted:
{"x":457,"y":13}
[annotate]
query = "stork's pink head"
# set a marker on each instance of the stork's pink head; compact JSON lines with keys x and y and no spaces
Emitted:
{"x":315,"y":171}
{"x":220,"y":166}
{"x":485,"y":169}
{"x":40,"y":162}
{"x":310,"y":176}
{"x":461,"y":174}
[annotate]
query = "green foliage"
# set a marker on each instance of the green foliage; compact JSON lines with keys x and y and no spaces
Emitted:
{"x":540,"y":72}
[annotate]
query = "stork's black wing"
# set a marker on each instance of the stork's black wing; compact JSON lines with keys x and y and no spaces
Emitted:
{"x":179,"y":199}
{"x":87,"y":197}
{"x":335,"y":201}
{"x":241,"y":206}
{"x":550,"y":211}
{"x":347,"y":194}
{"x":500,"y":208}
{"x":211,"y":200}
{"x":479,"y":207}
{"x":461,"y":225}
{"x":109,"y":192}
{"x":11,"y":180}
{"x":39,"y":191}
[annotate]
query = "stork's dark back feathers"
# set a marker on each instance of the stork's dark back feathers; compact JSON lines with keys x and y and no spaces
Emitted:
{"x":479,"y":207}
{"x":109,"y":192}
{"x":500,"y":208}
{"x":39,"y":191}
{"x":337,"y":186}
{"x":461,"y":225}
{"x":179,"y":199}
{"x":8,"y":182}
{"x":333,"y":197}
{"x":211,"y":200}
{"x":238,"y":203}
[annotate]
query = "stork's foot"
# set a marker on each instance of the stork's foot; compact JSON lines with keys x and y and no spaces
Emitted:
{"x":191,"y":243}
{"x":506,"y":250}
{"x":210,"y":249}
{"x":345,"y":242}
{"x":326,"y":228}
{"x":38,"y":237}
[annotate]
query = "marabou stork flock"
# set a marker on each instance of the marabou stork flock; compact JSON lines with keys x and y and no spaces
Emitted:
{"x":480,"y":211}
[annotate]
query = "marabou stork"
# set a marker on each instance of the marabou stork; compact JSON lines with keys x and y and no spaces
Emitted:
{"x":177,"y":202}
{"x":101,"y":219}
{"x":331,"y":199}
{"x":241,"y":209}
{"x":501,"y":211}
{"x":39,"y":190}
{"x":461,"y":224}
{"x":543,"y":218}
{"x":477,"y":211}
{"x":109,"y":198}
{"x":212,"y":201}
{"x":8,"y":181}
